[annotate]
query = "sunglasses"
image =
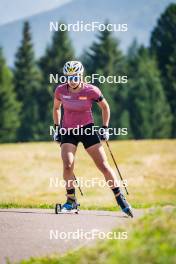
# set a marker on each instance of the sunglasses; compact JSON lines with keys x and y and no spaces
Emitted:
{"x":73,"y":78}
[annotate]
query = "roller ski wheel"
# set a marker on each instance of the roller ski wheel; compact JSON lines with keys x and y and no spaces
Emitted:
{"x":67,"y":208}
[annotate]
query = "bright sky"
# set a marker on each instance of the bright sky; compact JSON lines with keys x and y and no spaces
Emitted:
{"x":17,"y":9}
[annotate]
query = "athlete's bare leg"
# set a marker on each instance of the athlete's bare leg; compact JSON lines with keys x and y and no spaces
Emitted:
{"x":68,"y":156}
{"x":98,"y":154}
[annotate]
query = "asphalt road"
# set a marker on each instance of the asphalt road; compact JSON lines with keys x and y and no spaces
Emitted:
{"x":38,"y":232}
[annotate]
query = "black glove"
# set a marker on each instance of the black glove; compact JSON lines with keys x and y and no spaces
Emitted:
{"x":104,"y":133}
{"x":57,"y":135}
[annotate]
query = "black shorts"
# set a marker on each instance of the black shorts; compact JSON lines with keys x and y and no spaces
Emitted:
{"x":86,"y":140}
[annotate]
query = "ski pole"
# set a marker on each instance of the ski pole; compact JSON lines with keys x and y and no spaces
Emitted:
{"x":116,"y":165}
{"x":78,"y":185}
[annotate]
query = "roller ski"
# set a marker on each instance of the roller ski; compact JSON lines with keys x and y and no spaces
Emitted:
{"x":124,"y":205}
{"x":70,"y":207}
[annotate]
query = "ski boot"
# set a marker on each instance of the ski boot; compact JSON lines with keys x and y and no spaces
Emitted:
{"x":70,"y":207}
{"x":124,"y":205}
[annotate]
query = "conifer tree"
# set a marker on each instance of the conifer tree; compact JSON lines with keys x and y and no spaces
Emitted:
{"x":150,"y":115}
{"x":27,"y":85}
{"x":9,"y":114}
{"x":163,"y":46}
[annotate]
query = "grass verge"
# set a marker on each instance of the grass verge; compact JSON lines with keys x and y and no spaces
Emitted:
{"x":93,"y":207}
{"x":151,"y":239}
{"x":31,"y":177}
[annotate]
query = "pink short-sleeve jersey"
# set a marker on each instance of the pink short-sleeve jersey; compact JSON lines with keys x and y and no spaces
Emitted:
{"x":77,"y":106}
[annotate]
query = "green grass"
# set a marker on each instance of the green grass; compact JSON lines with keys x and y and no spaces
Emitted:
{"x":148,"y":165}
{"x":84,"y":207}
{"x":151,"y":239}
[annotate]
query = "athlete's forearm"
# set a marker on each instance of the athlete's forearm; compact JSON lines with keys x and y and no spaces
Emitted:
{"x":56,"y":112}
{"x":56,"y":116}
{"x":105,"y":112}
{"x":105,"y":115}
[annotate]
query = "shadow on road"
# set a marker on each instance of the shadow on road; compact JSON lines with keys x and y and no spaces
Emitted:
{"x":100,"y":214}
